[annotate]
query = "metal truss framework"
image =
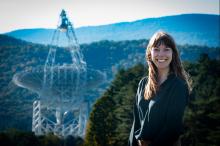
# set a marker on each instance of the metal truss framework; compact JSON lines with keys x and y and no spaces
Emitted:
{"x":41,"y":123}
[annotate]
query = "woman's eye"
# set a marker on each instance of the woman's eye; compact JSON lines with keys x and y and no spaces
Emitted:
{"x":167,"y":49}
{"x":156,"y":49}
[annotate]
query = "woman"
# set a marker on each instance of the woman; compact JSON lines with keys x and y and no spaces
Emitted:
{"x":161,"y":97}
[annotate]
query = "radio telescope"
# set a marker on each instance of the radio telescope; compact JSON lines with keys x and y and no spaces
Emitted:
{"x":62,"y":86}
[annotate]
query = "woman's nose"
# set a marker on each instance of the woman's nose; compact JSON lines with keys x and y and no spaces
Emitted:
{"x":161,"y":53}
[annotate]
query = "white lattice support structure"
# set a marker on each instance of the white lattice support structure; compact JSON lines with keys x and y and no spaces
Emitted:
{"x":62,"y":85}
{"x":84,"y":111}
{"x":41,"y":125}
{"x":37,"y":119}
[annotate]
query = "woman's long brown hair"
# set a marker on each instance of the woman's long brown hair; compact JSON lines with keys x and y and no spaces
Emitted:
{"x":176,"y":67}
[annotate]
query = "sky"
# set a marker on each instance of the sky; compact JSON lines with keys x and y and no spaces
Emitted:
{"x":21,"y":14}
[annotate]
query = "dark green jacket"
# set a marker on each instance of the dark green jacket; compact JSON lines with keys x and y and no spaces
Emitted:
{"x":159,"y":119}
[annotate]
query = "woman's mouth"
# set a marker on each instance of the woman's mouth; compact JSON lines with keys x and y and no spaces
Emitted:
{"x":161,"y":60}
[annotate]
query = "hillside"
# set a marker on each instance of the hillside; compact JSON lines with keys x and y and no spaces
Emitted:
{"x":106,"y":56}
{"x":193,"y":29}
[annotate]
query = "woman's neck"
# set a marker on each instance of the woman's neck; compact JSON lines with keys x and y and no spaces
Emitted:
{"x":162,"y":75}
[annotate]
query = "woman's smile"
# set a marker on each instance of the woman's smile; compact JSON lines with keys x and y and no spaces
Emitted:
{"x":161,"y":60}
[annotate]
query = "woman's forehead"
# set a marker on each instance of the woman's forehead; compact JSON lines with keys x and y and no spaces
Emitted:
{"x":159,"y":43}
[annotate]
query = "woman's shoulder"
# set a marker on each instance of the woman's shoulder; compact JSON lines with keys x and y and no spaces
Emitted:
{"x":143,"y":81}
{"x":180,"y":83}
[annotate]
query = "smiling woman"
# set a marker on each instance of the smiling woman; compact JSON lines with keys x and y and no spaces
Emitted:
{"x":161,"y":97}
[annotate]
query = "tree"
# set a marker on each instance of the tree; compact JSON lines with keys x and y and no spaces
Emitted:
{"x":111,"y":118}
{"x":203,"y":114}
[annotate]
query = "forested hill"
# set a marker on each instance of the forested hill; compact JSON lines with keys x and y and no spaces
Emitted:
{"x":193,"y":29}
{"x":111,"y":126}
{"x":11,"y":41}
{"x":106,"y":56}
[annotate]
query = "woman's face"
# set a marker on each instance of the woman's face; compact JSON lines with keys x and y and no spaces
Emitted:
{"x":161,"y":57}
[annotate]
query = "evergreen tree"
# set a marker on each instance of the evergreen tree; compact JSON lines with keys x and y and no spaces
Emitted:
{"x":203,"y":114}
{"x":110,"y":121}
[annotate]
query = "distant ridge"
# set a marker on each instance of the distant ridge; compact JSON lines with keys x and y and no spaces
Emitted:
{"x":194,"y":29}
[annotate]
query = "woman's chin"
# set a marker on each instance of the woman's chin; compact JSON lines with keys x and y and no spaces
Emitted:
{"x":162,"y":67}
